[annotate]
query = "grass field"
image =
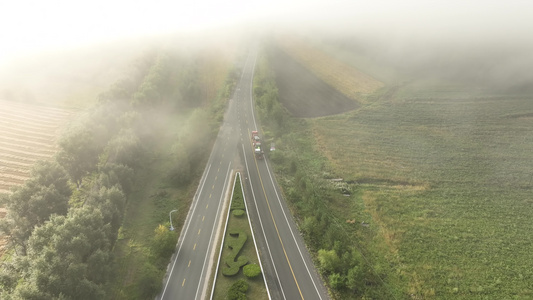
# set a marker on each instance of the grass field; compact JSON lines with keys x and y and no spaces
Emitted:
{"x":442,"y":173}
{"x":448,"y":181}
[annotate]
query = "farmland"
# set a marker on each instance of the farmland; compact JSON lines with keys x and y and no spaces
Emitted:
{"x":295,"y":94}
{"x":448,"y":183}
{"x":345,"y":78}
{"x":28,"y":133}
{"x":441,"y":172}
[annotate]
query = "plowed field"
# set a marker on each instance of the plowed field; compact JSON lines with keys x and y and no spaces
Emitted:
{"x":28,"y":133}
{"x":303,"y":93}
{"x":344,"y":78}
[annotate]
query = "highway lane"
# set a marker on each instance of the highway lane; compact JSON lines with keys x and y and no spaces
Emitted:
{"x":191,"y":264}
{"x":289,"y":270}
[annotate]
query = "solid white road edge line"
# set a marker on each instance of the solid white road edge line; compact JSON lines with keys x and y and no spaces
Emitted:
{"x":275,"y":190}
{"x":211,"y":237}
{"x":184,"y":230}
{"x":222,"y":243}
{"x":255,"y":244}
{"x":292,"y":233}
{"x":261,"y":224}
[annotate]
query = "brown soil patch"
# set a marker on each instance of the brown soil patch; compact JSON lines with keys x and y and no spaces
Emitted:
{"x":28,"y":133}
{"x":348,"y":80}
{"x":302,"y":92}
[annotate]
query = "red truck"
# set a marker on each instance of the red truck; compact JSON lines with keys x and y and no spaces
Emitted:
{"x":256,"y":144}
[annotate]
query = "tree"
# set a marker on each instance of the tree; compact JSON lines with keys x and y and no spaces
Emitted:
{"x":48,"y":173}
{"x":45,"y":193}
{"x":180,"y":172}
{"x":68,"y":258}
{"x":124,"y":149}
{"x":329,"y":260}
{"x":120,"y":90}
{"x":9,"y":275}
{"x":111,"y":202}
{"x":354,"y":279}
{"x":164,"y":243}
{"x":336,"y":281}
{"x":116,"y":174}
{"x":150,"y":281}
{"x":79,"y":153}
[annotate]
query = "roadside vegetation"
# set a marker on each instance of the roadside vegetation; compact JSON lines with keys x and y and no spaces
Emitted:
{"x":423,"y":193}
{"x":345,"y":252}
{"x":239,"y":275}
{"x":447,"y":184}
{"x":133,"y":157}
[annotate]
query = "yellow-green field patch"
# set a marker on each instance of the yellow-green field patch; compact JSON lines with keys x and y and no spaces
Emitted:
{"x":348,"y":80}
{"x":28,"y":133}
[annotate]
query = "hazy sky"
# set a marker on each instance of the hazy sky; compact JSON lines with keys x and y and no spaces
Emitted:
{"x":28,"y":26}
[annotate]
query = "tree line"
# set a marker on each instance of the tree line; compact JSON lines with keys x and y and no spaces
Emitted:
{"x":63,"y":222}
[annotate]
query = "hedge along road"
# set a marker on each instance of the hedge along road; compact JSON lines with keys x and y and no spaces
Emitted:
{"x":217,"y":292}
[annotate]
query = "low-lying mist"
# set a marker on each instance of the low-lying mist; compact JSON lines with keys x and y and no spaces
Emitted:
{"x":75,"y":76}
{"x":476,"y":42}
{"x":485,"y":64}
{"x":68,"y":77}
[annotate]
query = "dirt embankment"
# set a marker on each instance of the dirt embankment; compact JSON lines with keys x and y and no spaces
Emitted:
{"x":302,"y":92}
{"x":343,"y":77}
{"x":312,"y":83}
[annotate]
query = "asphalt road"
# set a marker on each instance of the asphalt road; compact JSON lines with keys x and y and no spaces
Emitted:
{"x":288,"y":269}
{"x":190,"y":265}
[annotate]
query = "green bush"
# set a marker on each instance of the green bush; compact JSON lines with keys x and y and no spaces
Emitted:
{"x":251,"y":270}
{"x":164,"y":244}
{"x":150,"y":281}
{"x":233,"y":262}
{"x":238,"y":213}
{"x":237,"y":203}
{"x":238,"y":290}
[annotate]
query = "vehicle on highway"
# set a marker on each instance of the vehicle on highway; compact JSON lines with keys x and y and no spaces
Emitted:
{"x":256,"y":143}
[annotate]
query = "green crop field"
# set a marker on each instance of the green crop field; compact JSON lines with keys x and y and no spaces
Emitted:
{"x":448,"y":180}
{"x":438,"y":172}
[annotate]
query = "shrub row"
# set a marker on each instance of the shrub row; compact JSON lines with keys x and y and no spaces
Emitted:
{"x":233,"y":261}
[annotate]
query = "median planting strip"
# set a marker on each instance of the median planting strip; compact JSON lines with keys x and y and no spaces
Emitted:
{"x":238,"y":253}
